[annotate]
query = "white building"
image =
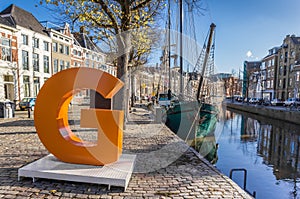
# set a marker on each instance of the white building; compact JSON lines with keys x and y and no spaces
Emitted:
{"x":34,"y":51}
{"x":8,"y":61}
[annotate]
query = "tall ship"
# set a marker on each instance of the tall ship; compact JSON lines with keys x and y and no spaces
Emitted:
{"x":185,"y":115}
{"x":195,"y":119}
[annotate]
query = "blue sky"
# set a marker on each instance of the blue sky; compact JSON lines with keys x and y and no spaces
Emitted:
{"x":243,"y":26}
{"x":250,"y":26}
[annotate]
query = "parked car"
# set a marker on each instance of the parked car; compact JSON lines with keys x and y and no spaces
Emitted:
{"x":277,"y":102}
{"x":291,"y":101}
{"x":264,"y":102}
{"x":247,"y":99}
{"x":27,"y":102}
{"x":240,"y":99}
{"x":254,"y":100}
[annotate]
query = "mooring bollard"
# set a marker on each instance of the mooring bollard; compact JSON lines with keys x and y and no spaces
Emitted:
{"x":28,"y":112}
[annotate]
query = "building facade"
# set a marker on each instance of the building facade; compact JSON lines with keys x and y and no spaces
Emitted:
{"x":61,"y":44}
{"x":268,"y":74}
{"x":252,"y":84}
{"x":33,"y":51}
{"x":288,"y":72}
{"x":9,"y":73}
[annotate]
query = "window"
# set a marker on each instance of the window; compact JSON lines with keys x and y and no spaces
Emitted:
{"x":62,"y":64}
{"x":46,"y":46}
{"x":268,"y":84}
{"x":25,"y":60}
{"x":6,"y":49}
{"x":25,"y":39}
{"x":6,"y":54}
{"x":87,"y":63}
{"x":280,"y":83}
{"x":281,"y":56}
{"x":61,"y":48}
{"x":280,"y":70}
{"x":291,"y":67}
{"x":284,"y":71}
{"x":272,"y":62}
{"x":35,"y":62}
{"x":271,"y":83}
{"x":298,"y":76}
{"x":263,"y":65}
{"x":54,"y":47}
{"x":292,"y":53}
{"x":67,"y":64}
{"x":67,"y":50}
{"x":26,"y":82}
{"x":36,"y":86}
{"x":74,"y":52}
{"x":55,"y":65}
{"x":46,"y":64}
{"x":290,"y":81}
{"x":269,"y":73}
{"x":79,"y":53}
{"x":35,"y":42}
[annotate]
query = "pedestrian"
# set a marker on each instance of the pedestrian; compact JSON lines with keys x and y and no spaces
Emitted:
{"x":169,"y":94}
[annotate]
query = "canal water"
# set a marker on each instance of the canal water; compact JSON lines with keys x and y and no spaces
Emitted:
{"x":267,"y":149}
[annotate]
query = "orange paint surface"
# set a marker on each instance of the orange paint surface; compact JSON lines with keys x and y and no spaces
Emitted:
{"x":51,"y":117}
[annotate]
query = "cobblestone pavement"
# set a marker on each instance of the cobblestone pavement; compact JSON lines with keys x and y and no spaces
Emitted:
{"x":165,"y":167}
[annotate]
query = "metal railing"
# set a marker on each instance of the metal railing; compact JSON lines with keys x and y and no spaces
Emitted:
{"x":245,"y":180}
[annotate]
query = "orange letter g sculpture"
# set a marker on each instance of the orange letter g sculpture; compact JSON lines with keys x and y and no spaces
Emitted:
{"x":51,"y":117}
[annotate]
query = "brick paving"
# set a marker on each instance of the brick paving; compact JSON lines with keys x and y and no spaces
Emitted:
{"x":165,"y":167}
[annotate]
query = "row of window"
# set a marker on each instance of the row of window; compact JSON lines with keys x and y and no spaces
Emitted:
{"x":5,"y":45}
{"x":35,"y":42}
{"x":286,"y":54}
{"x":60,"y":48}
{"x":59,"y":65}
{"x":283,"y":69}
{"x":35,"y":62}
{"x":36,"y":85}
{"x":267,"y":63}
{"x":282,"y":82}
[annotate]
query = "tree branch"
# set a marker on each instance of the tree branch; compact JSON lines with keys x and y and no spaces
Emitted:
{"x":108,"y":12}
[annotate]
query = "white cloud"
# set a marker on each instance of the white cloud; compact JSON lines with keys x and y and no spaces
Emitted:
{"x":249,"y":53}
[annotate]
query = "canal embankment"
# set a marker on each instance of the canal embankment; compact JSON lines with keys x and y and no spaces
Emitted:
{"x":277,"y":113}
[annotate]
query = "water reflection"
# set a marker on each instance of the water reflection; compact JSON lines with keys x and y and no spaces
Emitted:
{"x":268,"y":149}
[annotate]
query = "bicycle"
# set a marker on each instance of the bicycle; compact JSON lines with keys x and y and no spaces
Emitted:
{"x":293,"y":107}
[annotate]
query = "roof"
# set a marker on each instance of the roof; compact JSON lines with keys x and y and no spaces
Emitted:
{"x":20,"y":17}
{"x":86,"y":42}
{"x":296,"y":40}
{"x":6,"y":22}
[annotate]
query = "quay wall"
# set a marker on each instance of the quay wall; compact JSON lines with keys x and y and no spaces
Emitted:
{"x":268,"y":112}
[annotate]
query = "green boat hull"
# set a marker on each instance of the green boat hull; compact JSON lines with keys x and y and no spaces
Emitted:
{"x":182,"y":118}
{"x":195,"y":123}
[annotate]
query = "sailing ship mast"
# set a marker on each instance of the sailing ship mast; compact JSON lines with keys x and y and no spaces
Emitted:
{"x":207,"y":53}
{"x":181,"y":46}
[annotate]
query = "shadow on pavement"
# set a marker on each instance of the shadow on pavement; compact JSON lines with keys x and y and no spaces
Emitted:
{"x":19,"y":123}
